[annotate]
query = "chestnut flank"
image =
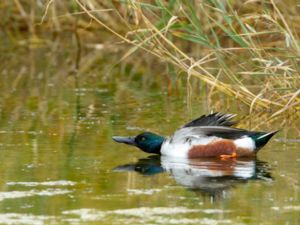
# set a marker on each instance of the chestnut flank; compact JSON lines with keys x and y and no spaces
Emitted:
{"x":215,"y":149}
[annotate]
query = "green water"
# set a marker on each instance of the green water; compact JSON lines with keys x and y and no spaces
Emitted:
{"x":59,"y":164}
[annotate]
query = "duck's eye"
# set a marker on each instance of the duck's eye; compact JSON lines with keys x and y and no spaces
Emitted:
{"x":143,"y":139}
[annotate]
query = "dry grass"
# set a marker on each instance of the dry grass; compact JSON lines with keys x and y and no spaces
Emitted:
{"x":249,"y":51}
{"x":246,"y":49}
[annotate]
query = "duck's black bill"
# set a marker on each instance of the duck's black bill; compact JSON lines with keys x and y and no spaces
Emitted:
{"x":125,"y":140}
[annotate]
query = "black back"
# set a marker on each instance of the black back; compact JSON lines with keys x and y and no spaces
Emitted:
{"x":214,"y":119}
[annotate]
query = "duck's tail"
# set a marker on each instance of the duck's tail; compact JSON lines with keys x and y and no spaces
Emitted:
{"x":262,"y":138}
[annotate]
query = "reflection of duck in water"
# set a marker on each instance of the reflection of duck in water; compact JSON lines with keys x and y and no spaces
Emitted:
{"x":145,"y":166}
{"x":209,"y":176}
{"x":213,"y":176}
{"x":206,"y":136}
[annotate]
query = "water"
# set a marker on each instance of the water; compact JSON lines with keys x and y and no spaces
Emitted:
{"x":60,"y":165}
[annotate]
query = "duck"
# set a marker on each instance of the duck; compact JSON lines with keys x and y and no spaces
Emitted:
{"x":209,"y":135}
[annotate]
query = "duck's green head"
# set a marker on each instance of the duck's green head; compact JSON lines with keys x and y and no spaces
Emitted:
{"x":147,"y":141}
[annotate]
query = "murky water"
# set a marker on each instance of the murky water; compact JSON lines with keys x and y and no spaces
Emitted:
{"x":59,"y":164}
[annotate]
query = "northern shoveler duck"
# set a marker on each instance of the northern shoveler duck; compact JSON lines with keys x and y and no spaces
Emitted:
{"x":207,"y":136}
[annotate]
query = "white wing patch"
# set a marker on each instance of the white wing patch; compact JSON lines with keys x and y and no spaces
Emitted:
{"x":245,"y":142}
